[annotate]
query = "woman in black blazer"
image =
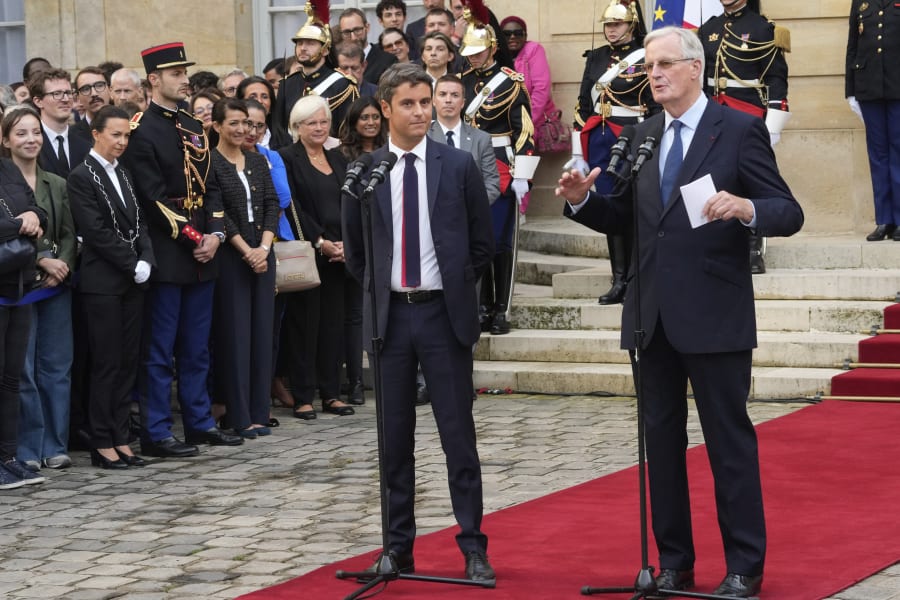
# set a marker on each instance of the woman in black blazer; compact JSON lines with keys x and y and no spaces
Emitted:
{"x":313,"y":325}
{"x":116,"y":260}
{"x":245,"y":291}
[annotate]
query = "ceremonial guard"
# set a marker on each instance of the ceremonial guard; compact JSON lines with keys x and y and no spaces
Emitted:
{"x":615,"y":92}
{"x":168,"y":156}
{"x":746,"y":70}
{"x":873,"y":91}
{"x":498,"y":103}
{"x":312,"y":43}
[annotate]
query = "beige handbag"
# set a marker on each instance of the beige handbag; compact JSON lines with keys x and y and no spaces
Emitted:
{"x":295,"y":262}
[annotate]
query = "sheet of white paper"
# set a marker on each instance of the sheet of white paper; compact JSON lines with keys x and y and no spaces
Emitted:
{"x":695,"y":194}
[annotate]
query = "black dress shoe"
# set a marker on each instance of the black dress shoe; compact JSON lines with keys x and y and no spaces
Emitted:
{"x":896,"y":235}
{"x":478,"y":568}
{"x":882,"y":232}
{"x":500,"y":326}
{"x":422,"y":396}
{"x":168,"y":448}
{"x":615,"y":295}
{"x":357,"y":394}
{"x":306,"y":415}
{"x":330,"y":406}
{"x":402,"y":560}
{"x":98,"y":460}
{"x":739,"y":586}
{"x":674,"y":580}
{"x":131,"y":460}
{"x":214,"y":437}
{"x":757,"y":264}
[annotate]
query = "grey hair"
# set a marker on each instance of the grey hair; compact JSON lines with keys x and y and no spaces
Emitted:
{"x":691,"y":47}
{"x":304,"y":108}
{"x":129,"y":74}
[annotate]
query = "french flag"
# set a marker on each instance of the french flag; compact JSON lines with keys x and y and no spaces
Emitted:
{"x":689,"y":14}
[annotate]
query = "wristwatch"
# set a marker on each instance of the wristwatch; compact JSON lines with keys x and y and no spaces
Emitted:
{"x":220,"y":235}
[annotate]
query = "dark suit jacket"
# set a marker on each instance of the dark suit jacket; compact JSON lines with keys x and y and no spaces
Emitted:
{"x":49,"y":161}
{"x":234,"y":197}
{"x":82,"y":129}
{"x":478,"y":144}
{"x":107,"y":261}
{"x":460,"y":228}
{"x":377,"y":63}
{"x":873,"y":49}
{"x":697,"y":281}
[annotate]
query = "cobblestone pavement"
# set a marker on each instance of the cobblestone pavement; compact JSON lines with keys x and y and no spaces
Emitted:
{"x":235,"y":520}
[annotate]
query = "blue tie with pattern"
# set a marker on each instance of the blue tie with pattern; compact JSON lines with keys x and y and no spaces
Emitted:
{"x":672,"y":166}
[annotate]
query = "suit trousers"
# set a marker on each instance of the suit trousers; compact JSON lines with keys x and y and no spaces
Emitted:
{"x":242,"y":342}
{"x":421,"y":333}
{"x":721,"y":386}
{"x":46,"y":383}
{"x":177,"y":323}
{"x":882,"y":119}
{"x":114,"y":337}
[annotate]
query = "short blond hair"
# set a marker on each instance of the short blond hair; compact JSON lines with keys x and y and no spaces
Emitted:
{"x":304,"y":108}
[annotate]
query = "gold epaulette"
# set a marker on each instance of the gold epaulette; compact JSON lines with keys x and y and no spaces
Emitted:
{"x":135,"y":121}
{"x":191,"y":115}
{"x":782,"y":38}
{"x":512,"y":74}
{"x":466,"y":72}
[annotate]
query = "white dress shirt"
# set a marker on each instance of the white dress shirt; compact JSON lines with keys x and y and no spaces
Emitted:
{"x":110,"y":168}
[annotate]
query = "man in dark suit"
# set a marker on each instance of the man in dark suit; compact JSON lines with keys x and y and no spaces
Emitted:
{"x":168,"y":155}
{"x":52,"y":93}
{"x":353,"y":26}
{"x":432,"y":239}
{"x":696,"y":301}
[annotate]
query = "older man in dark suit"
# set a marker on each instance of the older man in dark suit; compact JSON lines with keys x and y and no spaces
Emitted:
{"x":696,"y":302}
{"x":432,"y":238}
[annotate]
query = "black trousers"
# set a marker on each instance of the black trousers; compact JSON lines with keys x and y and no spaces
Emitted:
{"x":114,"y":338}
{"x":15,"y":327}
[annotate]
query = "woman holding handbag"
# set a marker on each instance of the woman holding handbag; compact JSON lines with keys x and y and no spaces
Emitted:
{"x":116,"y":259}
{"x":46,"y":383}
{"x":245,"y":299}
{"x":314,"y":319}
{"x":22,"y":222}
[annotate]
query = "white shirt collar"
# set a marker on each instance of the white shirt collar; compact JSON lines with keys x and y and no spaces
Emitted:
{"x":54,"y":134}
{"x":691,"y":117}
{"x":419,"y":149}
{"x":109,"y":166}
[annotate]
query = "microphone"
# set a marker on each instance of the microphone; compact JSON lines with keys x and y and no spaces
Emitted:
{"x":380,"y":172}
{"x":644,"y":152}
{"x":355,"y":171}
{"x":617,"y":152}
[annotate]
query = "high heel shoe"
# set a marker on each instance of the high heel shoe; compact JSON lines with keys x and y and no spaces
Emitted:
{"x":341,"y":411}
{"x":132,"y":460}
{"x":98,"y":460}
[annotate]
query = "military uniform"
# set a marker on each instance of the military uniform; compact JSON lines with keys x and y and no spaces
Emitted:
{"x":340,"y":95}
{"x":168,"y":156}
{"x":504,"y":113}
{"x":872,"y":77}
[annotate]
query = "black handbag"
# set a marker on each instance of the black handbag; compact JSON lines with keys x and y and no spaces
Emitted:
{"x":16,"y":253}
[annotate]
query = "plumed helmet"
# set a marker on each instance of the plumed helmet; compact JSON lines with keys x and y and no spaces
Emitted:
{"x":479,"y":35}
{"x":316,"y":26}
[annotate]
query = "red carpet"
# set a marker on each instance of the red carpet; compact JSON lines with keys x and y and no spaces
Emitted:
{"x":871,"y":382}
{"x":830,"y":485}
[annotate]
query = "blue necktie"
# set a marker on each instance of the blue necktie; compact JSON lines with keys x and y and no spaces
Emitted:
{"x":410,"y":268}
{"x":672,"y":166}
{"x":450,"y":139}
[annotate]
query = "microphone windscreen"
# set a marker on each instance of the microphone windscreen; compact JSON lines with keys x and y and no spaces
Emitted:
{"x":627,"y":132}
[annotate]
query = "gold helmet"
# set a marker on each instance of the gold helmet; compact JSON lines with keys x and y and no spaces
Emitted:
{"x":316,"y":26}
{"x":625,"y":11}
{"x":479,"y":35}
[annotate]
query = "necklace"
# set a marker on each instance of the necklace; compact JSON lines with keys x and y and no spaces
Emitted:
{"x":317,"y":159}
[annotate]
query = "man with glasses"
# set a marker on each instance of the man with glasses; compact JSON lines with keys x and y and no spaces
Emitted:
{"x":696,"y":301}
{"x":354,"y":27}
{"x":51,"y":92}
{"x":615,"y":92}
{"x":312,"y":42}
{"x":93,"y":91}
{"x":746,"y":70}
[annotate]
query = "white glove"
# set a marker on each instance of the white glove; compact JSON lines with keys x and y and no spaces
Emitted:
{"x":854,"y":106}
{"x":577,"y":161}
{"x":141,"y":271}
{"x":520,"y":187}
{"x":774,"y":138}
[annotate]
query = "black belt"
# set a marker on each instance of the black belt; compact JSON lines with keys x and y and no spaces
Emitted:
{"x":417,"y":297}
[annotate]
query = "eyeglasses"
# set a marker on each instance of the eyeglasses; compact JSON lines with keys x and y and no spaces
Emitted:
{"x":352,"y":32}
{"x":320,"y":123}
{"x":230,"y":91}
{"x":514,"y":32}
{"x":97,"y":86}
{"x":390,"y":45}
{"x":60,"y":94}
{"x":664,"y":65}
{"x":259,"y":127}
{"x":202,"y":110}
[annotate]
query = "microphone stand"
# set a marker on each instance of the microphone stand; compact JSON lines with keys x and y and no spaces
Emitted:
{"x":644,"y":584}
{"x":386,"y":569}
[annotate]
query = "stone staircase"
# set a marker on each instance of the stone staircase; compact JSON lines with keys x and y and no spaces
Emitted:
{"x":813,"y":306}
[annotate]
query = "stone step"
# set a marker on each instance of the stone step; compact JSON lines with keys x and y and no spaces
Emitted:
{"x":767,"y":383}
{"x":785,"y":349}
{"x":561,"y":236}
{"x":832,"y":284}
{"x":532,"y":310}
{"x":539,"y":269}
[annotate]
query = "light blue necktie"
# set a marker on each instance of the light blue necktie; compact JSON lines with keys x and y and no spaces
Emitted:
{"x":672,"y":166}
